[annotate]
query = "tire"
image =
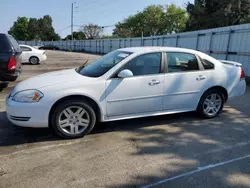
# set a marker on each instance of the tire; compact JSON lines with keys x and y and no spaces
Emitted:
{"x":34,"y":60}
{"x":72,"y":129}
{"x":209,"y":108}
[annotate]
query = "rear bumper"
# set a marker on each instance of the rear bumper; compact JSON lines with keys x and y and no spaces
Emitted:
{"x":10,"y":76}
{"x":43,"y":57}
{"x":238,"y":90}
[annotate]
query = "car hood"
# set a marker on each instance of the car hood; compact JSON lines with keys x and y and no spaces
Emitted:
{"x":50,"y":79}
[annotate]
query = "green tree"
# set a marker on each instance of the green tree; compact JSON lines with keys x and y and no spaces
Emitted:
{"x":77,"y":36}
{"x":33,"y":29}
{"x":47,"y":31}
{"x":19,"y":30}
{"x":245,"y":20}
{"x":205,"y":14}
{"x":153,"y":20}
{"x":175,"y":19}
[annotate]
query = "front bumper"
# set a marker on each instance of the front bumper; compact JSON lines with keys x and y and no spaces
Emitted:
{"x":27,"y":114}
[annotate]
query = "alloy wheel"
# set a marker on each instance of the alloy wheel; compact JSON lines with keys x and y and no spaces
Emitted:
{"x":34,"y":60}
{"x":74,"y":120}
{"x":212,"y":104}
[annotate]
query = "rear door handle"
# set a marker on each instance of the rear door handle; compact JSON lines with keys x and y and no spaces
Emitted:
{"x":154,"y":82}
{"x":201,"y":78}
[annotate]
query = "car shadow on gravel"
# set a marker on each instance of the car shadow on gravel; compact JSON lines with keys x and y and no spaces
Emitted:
{"x":13,"y":135}
{"x":196,"y":143}
{"x":182,"y":136}
{"x":133,"y":124}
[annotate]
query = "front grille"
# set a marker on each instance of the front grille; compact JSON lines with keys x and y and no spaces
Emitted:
{"x":20,"y":118}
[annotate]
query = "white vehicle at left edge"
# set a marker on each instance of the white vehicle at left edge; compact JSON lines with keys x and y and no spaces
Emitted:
{"x":32,"y":55}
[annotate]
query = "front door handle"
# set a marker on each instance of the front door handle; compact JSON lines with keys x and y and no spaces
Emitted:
{"x":154,"y":82}
{"x":201,"y":78}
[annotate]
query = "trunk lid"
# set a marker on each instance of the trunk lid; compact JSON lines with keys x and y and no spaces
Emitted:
{"x":232,"y":63}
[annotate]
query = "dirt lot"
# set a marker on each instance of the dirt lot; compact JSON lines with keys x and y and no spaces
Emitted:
{"x":171,"y":151}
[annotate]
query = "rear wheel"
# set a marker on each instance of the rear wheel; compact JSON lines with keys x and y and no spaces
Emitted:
{"x":34,"y":60}
{"x":211,"y":104}
{"x":73,"y":119}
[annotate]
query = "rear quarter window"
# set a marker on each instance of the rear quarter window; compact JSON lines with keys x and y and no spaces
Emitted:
{"x":4,"y":45}
{"x":14,"y":44}
{"x":207,"y":64}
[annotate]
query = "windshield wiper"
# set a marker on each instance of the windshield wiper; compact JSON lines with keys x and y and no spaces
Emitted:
{"x":81,"y":67}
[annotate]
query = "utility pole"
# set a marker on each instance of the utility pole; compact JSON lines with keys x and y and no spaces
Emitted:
{"x":72,"y":20}
{"x":142,"y":39}
{"x":73,"y":7}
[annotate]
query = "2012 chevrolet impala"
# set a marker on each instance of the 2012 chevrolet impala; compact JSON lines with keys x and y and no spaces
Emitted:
{"x":126,"y":83}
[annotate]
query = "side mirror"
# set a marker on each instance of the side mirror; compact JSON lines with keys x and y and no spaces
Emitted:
{"x":125,"y":74}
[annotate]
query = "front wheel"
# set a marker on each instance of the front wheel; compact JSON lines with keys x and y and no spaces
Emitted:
{"x":211,"y":104}
{"x":73,"y":119}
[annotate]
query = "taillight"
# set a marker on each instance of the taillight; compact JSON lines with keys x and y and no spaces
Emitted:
{"x":12,"y":63}
{"x":242,"y":74}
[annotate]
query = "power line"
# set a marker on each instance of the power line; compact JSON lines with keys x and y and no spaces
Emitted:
{"x":80,"y":25}
{"x":63,"y":29}
{"x":105,"y":26}
{"x":108,"y":26}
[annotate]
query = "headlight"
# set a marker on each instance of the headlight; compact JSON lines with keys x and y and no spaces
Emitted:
{"x":28,"y":96}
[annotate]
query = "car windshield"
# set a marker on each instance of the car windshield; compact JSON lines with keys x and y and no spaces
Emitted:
{"x":104,"y":64}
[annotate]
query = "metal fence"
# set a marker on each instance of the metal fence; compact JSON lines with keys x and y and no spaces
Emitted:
{"x":228,"y":43}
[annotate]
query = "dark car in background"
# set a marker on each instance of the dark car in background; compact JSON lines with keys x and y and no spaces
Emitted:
{"x":10,"y":60}
{"x":48,"y":47}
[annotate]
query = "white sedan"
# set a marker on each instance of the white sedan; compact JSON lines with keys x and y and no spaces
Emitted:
{"x":32,"y":55}
{"x":126,"y":83}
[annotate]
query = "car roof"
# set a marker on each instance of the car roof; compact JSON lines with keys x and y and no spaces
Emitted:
{"x":25,"y":45}
{"x":3,"y":34}
{"x":159,"y":48}
{"x":6,"y":35}
{"x":148,"y":49}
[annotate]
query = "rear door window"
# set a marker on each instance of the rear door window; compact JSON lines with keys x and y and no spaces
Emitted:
{"x":182,"y":62}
